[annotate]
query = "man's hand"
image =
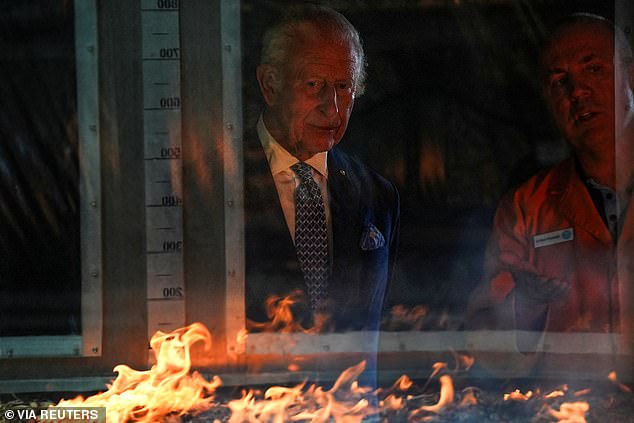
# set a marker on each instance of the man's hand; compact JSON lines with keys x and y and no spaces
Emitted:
{"x":538,"y":290}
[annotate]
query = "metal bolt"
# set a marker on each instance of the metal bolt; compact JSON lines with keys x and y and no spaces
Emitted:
{"x":326,"y":347}
{"x":229,"y":126}
{"x":9,"y":352}
{"x":93,"y":272}
{"x":227,"y":47}
{"x":230,"y":203}
{"x":95,"y":350}
{"x":93,"y":204}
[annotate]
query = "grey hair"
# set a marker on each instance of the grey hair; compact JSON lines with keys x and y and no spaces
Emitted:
{"x":277,"y":42}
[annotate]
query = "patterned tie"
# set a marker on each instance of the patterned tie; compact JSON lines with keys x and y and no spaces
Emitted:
{"x":311,"y":234}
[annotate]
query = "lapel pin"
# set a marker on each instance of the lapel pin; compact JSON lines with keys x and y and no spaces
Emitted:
{"x":342,"y":172}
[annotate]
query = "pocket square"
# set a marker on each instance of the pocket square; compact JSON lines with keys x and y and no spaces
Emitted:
{"x":371,"y":238}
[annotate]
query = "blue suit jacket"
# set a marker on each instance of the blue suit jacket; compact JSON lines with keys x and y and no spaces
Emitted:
{"x":364,"y":209}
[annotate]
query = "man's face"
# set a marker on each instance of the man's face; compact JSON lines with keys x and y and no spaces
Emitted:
{"x":310,"y":109}
{"x":586,"y":86}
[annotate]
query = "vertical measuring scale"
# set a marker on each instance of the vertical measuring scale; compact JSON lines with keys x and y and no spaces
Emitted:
{"x":163,"y":165}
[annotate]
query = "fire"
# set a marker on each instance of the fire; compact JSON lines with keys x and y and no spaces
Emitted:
{"x":402,"y":317}
{"x":166,"y":389}
{"x":403,"y":383}
{"x":446,"y":396}
{"x":555,"y":394}
{"x":279,"y":310}
{"x":170,"y":390}
{"x":517,"y":395}
{"x":469,"y":398}
{"x":571,"y":412}
{"x":344,"y":402}
{"x":624,"y":388}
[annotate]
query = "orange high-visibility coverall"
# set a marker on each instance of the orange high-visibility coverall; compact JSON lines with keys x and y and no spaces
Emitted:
{"x":550,"y":225}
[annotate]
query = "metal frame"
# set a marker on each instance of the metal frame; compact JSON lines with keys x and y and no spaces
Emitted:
{"x":86,"y":47}
{"x":233,"y":173}
{"x":89,"y":343}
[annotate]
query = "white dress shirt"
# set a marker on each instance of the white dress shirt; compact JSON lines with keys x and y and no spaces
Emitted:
{"x":286,"y":180}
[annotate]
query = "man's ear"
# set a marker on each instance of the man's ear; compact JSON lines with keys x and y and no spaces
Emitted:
{"x":269,"y":80}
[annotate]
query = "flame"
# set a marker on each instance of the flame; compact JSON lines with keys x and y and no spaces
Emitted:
{"x":166,"y":389}
{"x":571,"y":412}
{"x":469,"y":398}
{"x":446,"y":392}
{"x":344,"y":402}
{"x":555,"y":394}
{"x":403,"y":383}
{"x":392,"y":402}
{"x":624,"y":388}
{"x":517,"y":395}
{"x":279,"y":310}
{"x":402,"y":317}
{"x":446,"y":395}
{"x":241,"y":337}
{"x":169,"y":390}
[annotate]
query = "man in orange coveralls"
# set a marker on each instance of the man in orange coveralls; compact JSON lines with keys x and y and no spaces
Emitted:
{"x":560,"y":256}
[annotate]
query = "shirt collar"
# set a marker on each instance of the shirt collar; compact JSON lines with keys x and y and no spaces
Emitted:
{"x":280,"y":159}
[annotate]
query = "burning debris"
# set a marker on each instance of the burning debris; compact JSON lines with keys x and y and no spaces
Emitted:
{"x":171,"y":392}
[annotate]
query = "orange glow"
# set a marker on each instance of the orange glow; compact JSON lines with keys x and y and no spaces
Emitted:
{"x":446,"y":398}
{"x":241,"y":337}
{"x":446,"y":392}
{"x":469,"y":398}
{"x":431,"y":164}
{"x":582,"y":392}
{"x":344,"y":402}
{"x":170,"y":390}
{"x":167,"y":388}
{"x":555,"y":394}
{"x":446,"y":395}
{"x":403,"y":383}
{"x":280,"y":312}
{"x":517,"y":395}
{"x":571,"y":412}
{"x":613,"y":378}
{"x":402,"y":317}
{"x":392,"y":402}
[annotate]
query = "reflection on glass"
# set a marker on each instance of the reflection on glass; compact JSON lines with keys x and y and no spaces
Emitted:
{"x":39,"y":213}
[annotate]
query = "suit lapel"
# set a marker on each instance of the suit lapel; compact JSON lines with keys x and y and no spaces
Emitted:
{"x":343,"y":191}
{"x":263,"y":212}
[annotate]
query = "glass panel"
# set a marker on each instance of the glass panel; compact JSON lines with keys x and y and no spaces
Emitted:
{"x":40,"y":287}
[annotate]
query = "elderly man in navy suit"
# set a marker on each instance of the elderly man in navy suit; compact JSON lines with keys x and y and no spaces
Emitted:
{"x":318,"y":221}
